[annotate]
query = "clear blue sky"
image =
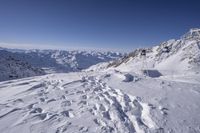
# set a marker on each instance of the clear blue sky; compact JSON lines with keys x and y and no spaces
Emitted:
{"x":99,"y":24}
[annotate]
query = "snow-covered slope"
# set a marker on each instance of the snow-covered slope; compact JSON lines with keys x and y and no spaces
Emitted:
{"x":100,"y":102}
{"x":63,"y":61}
{"x":183,"y":55}
{"x":13,"y":68}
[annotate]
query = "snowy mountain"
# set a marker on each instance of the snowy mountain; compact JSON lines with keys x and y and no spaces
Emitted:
{"x":112,"y":97}
{"x":63,"y":61}
{"x":12,"y":67}
{"x":173,"y":56}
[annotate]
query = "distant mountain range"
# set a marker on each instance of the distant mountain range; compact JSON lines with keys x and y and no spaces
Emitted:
{"x":14,"y":68}
{"x":38,"y":62}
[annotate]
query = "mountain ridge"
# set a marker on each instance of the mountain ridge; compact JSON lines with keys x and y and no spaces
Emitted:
{"x":173,"y":55}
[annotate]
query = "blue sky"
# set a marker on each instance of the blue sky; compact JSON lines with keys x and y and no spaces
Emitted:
{"x":95,"y":24}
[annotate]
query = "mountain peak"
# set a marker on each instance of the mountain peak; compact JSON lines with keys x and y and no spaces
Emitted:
{"x":193,"y":33}
{"x":195,"y":30}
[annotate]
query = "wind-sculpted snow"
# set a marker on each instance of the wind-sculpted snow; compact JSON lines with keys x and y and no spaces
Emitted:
{"x":110,"y":101}
{"x":81,"y":105}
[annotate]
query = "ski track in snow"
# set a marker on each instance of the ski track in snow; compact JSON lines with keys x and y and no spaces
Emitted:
{"x":56,"y":106}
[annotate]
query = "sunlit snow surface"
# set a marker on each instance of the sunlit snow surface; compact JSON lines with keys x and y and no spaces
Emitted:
{"x":95,"y":102}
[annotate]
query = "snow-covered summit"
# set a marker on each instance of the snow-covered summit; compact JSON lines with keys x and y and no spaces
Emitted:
{"x":192,"y":34}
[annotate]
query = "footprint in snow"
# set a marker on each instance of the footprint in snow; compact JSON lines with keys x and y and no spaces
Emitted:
{"x":42,"y":99}
{"x":163,"y":110}
{"x":79,"y":92}
{"x":36,"y":110}
{"x":87,"y":90}
{"x":18,"y":101}
{"x":102,"y":107}
{"x":66,"y":103}
{"x":84,"y":97}
{"x":51,"y":100}
{"x":68,"y":113}
{"x":41,"y":116}
{"x":106,"y":115}
{"x":31,"y":105}
{"x":83,"y":102}
{"x":83,"y":129}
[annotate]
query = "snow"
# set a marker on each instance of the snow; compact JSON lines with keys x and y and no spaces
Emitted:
{"x":113,"y":96}
{"x":65,"y":101}
{"x":173,"y":95}
{"x":100,"y":102}
{"x":183,"y":56}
